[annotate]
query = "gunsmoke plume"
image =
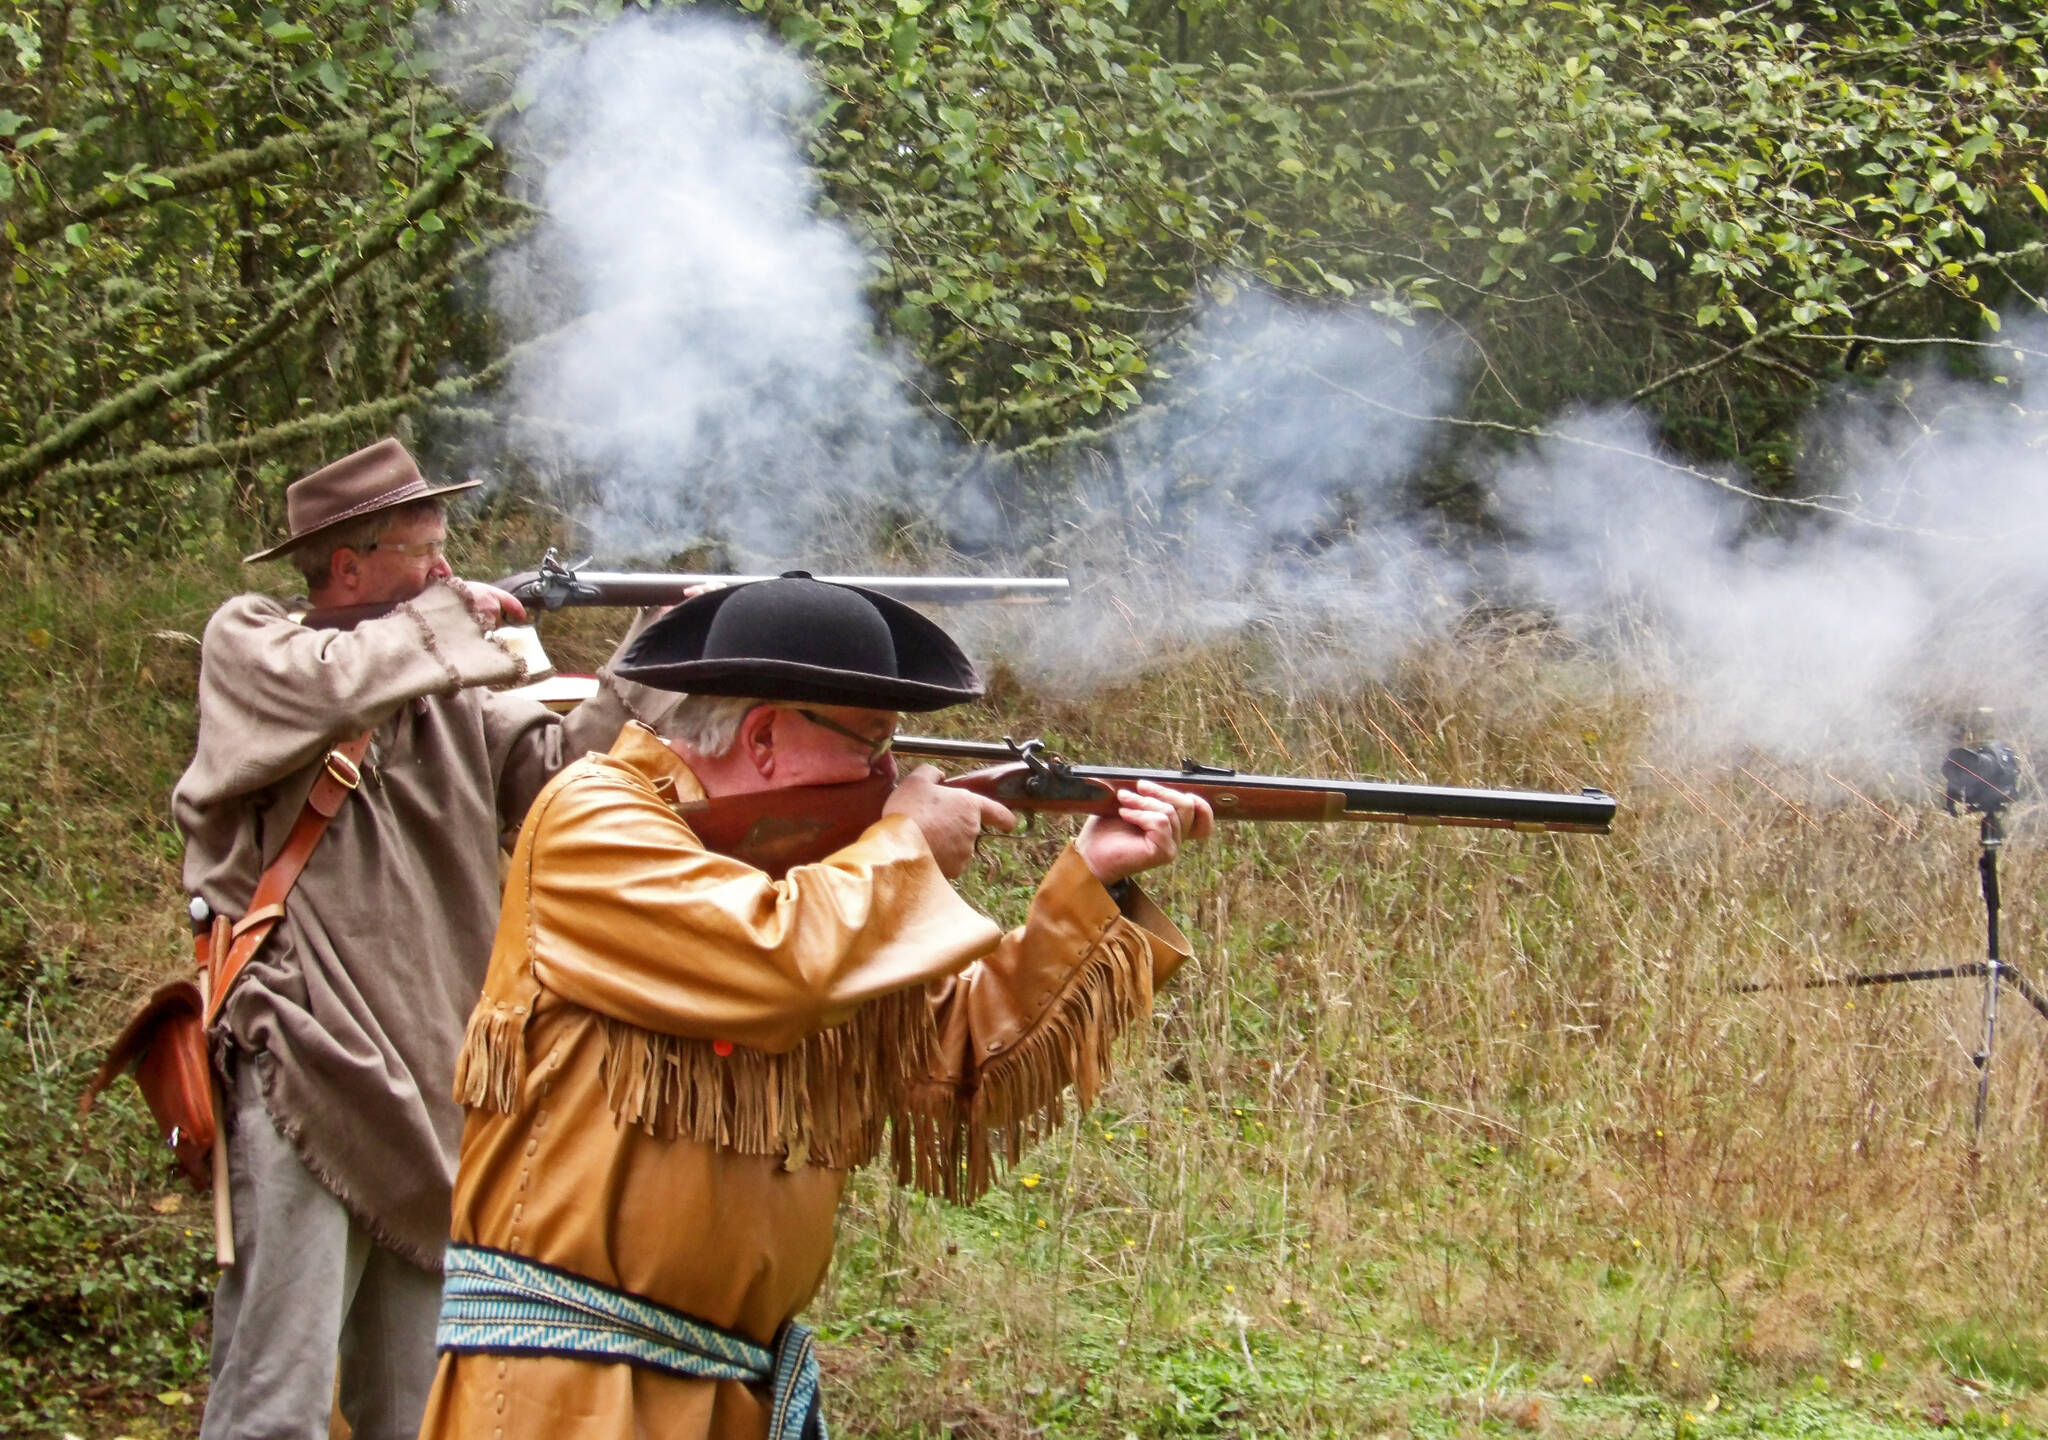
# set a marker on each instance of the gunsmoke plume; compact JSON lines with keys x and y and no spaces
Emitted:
{"x":707,"y":372}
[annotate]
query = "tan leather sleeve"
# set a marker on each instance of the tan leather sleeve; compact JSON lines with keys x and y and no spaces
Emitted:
{"x":630,"y":917}
{"x":1077,"y":968}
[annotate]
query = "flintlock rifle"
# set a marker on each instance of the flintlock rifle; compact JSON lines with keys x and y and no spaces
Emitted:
{"x":554,"y":585}
{"x":775,"y":829}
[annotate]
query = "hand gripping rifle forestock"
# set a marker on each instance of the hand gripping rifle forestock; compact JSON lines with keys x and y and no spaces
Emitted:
{"x":776,"y":829}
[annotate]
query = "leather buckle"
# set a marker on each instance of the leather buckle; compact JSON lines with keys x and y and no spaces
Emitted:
{"x":343,"y":770}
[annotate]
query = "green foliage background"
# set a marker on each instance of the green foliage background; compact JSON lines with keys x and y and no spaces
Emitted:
{"x":236,"y":237}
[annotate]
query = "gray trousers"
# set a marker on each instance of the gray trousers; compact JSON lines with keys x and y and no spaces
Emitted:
{"x":310,"y":1297}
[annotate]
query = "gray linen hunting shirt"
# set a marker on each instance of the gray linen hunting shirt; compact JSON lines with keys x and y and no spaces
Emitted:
{"x":354,"y":1008}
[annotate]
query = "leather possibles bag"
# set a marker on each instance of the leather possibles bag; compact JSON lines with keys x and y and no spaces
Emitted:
{"x":165,"y":1040}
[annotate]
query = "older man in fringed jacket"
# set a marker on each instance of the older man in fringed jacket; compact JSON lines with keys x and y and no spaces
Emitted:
{"x":678,"y":1058}
{"x":338,"y":1045}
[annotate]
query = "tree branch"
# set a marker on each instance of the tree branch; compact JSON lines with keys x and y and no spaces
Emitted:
{"x":209,"y":174}
{"x":153,"y":461}
{"x":1773,"y":332}
{"x":146,"y":395}
{"x":1823,"y":504}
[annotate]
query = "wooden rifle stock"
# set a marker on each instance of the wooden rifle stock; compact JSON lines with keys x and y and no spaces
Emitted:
{"x":775,"y":829}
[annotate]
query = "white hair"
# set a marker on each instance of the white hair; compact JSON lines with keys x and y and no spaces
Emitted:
{"x":708,"y":724}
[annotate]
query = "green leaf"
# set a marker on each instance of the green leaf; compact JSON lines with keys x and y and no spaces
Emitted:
{"x":6,"y":181}
{"x":1708,"y":315}
{"x":903,"y":40}
{"x":288,"y":32}
{"x":333,"y":79}
{"x":1290,"y":166}
{"x":10,"y":121}
{"x":77,"y":233}
{"x":1514,"y":235}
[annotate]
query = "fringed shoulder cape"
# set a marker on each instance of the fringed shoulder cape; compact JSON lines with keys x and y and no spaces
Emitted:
{"x":677,"y":1060}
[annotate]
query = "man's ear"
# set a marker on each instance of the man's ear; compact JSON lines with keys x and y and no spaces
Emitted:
{"x":344,"y":571}
{"x":757,"y":739}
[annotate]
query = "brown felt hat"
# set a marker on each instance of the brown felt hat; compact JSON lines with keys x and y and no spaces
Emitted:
{"x":378,"y":477}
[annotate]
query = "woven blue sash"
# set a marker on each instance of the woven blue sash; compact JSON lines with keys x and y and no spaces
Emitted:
{"x":494,"y":1303}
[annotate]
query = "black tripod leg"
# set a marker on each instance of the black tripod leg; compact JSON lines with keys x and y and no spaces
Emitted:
{"x":1987,"y":870}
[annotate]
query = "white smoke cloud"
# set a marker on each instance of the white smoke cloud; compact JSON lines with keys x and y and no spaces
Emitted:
{"x":1268,"y":490}
{"x":1860,"y":639}
{"x":713,"y":373}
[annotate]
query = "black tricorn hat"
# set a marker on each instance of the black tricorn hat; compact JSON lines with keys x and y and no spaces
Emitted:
{"x":799,"y":639}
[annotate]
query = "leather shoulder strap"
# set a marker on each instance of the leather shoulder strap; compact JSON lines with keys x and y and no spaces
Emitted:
{"x":340,"y":774}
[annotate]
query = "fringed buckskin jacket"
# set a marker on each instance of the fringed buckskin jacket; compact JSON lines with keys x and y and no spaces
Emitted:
{"x":677,"y":1060}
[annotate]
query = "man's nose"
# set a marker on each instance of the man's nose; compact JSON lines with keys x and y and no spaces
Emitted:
{"x":441,"y":570}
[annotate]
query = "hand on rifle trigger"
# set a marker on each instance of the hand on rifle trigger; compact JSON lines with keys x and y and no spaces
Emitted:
{"x":1146,"y":832}
{"x":500,"y":607}
{"x":952,"y":820}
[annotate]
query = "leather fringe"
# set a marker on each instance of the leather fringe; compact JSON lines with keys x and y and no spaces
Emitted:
{"x":834,"y":1099}
{"x":827,"y":1102}
{"x":492,"y":1064}
{"x":950,"y":1146}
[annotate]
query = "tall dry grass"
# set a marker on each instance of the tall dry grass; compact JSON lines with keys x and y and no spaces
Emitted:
{"x":1500,"y":1090}
{"x":1421,"y":1090}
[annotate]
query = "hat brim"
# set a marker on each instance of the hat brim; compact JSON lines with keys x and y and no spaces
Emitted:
{"x":285,"y":547}
{"x":682,"y":632}
{"x":783,"y":681}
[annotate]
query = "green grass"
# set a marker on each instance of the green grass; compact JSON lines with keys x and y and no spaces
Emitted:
{"x":1441,"y":1134}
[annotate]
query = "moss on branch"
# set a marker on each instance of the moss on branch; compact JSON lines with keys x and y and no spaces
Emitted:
{"x":148,"y":394}
{"x":212,"y":173}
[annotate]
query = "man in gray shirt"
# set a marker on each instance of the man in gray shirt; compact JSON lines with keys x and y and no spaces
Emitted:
{"x":338,"y":1044}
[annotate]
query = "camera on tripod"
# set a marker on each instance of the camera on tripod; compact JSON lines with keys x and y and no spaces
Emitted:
{"x":1981,"y":779}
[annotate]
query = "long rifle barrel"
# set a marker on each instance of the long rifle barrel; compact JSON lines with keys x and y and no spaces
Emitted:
{"x":1042,"y":781}
{"x":776,"y":829}
{"x":552,"y":586}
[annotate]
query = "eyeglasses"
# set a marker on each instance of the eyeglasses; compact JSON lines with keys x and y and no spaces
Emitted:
{"x":432,"y":549}
{"x":876,"y":748}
